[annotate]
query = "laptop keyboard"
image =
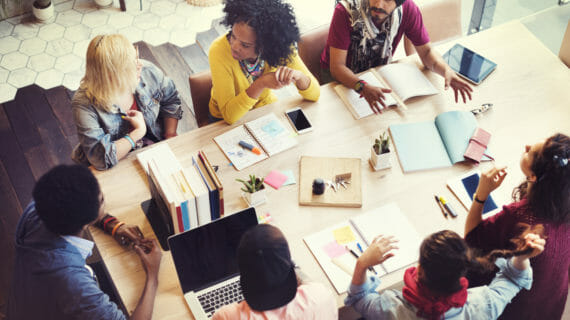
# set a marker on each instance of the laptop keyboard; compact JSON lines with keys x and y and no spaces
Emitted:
{"x":217,"y":298}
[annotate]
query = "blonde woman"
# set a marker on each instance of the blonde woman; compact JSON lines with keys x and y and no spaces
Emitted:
{"x":122,"y":103}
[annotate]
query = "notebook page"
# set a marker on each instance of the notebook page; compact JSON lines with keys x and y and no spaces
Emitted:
{"x":406,"y":80}
{"x":390,"y":221}
{"x":361,"y":108}
{"x":271,"y":134}
{"x":240,"y":157}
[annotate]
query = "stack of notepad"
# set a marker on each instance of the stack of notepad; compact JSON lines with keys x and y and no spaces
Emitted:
{"x":185,"y":197}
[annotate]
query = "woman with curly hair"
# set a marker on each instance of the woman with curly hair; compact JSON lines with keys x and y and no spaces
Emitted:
{"x":257,"y":55}
{"x":122,"y":103}
{"x":544,"y":198}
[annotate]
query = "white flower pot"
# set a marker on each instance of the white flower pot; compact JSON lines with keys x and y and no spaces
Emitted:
{"x":380,"y":161}
{"x":42,"y":14}
{"x":103,"y":3}
{"x":255,"y":198}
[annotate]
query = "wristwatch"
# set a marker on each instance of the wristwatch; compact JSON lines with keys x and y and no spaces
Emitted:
{"x":477,"y":200}
{"x":359,"y":85}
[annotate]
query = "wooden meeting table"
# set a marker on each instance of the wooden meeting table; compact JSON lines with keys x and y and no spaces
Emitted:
{"x":530,"y":93}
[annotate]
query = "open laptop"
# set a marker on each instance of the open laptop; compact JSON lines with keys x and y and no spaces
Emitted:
{"x":206,"y":262}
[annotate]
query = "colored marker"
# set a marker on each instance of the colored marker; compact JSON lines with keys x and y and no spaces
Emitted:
{"x":359,"y":247}
{"x":356,"y":256}
{"x":447,"y":207}
{"x":250,"y":147}
{"x":440,"y":207}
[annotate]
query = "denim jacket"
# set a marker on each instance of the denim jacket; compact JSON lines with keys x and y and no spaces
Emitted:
{"x":485,"y":302}
{"x":97,"y":129}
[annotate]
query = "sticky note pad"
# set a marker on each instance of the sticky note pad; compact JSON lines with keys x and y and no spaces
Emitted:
{"x":333,"y":249}
{"x":290,"y":177}
{"x":275,"y":179}
{"x":344,"y":235}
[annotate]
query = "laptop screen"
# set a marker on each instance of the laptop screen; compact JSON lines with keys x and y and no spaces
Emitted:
{"x":208,"y":253}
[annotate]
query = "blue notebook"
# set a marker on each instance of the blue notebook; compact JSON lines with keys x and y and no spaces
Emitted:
{"x":464,"y":186}
{"x":434,"y":144}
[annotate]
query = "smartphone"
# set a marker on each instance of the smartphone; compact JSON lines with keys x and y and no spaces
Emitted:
{"x":468,"y":64}
{"x":298,"y":119}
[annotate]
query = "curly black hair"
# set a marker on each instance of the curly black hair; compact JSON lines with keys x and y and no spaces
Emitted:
{"x":67,"y":198}
{"x":274,"y":25}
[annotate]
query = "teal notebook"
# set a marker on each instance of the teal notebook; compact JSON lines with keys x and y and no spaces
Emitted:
{"x":434,"y":144}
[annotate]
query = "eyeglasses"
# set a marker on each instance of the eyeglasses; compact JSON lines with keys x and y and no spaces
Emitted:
{"x":483,"y":108}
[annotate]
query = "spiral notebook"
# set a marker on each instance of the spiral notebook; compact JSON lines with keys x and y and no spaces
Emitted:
{"x":266,"y":133}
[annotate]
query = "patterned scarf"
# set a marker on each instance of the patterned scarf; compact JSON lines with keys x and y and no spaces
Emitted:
{"x":254,"y":70}
{"x":370,"y":46}
{"x":428,"y":306}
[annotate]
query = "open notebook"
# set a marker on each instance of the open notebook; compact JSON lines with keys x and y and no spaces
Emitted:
{"x":329,"y":246}
{"x":406,"y":81}
{"x":267,"y":133}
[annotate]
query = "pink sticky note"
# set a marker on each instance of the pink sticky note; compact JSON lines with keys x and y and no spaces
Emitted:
{"x":275,"y":179}
{"x":333,"y":249}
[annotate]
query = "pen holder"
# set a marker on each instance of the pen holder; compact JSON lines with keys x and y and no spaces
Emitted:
{"x":380,"y":161}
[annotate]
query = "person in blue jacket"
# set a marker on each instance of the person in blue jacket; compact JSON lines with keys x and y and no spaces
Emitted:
{"x":51,"y":280}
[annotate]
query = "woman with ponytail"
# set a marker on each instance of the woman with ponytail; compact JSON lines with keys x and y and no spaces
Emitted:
{"x":437,"y":287}
{"x":544,"y":198}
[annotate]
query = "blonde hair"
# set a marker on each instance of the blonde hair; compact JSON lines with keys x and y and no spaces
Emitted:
{"x":110,"y":69}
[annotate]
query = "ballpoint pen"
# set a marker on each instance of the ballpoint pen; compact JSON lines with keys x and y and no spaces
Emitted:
{"x":440,"y":207}
{"x":448,"y":207}
{"x":359,"y":247}
{"x":250,"y":147}
{"x":356,"y":256}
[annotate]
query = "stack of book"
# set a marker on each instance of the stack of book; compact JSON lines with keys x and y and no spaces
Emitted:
{"x":185,"y":197}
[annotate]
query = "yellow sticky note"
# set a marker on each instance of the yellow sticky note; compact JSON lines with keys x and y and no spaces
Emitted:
{"x":344,"y":235}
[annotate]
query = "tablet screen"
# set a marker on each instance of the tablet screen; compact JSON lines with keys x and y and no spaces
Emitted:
{"x":469,"y":64}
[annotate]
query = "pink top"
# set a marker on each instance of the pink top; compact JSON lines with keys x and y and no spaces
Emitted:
{"x":313,"y":301}
{"x":339,"y":33}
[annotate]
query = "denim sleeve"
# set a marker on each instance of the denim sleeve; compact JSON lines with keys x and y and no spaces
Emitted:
{"x":505,"y":286}
{"x":368,"y":302}
{"x":97,"y":146}
{"x":170,"y":104}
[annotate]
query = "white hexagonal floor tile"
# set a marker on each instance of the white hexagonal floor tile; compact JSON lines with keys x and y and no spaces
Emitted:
{"x":185,"y":10}
{"x":68,"y":18}
{"x":3,"y":75}
{"x":59,"y":47}
{"x":9,"y":44}
{"x":182,"y":37}
{"x":33,"y":46}
{"x":51,"y":31}
{"x":7,"y":92}
{"x":120,"y":20}
{"x":41,"y":62}
{"x":63,"y":6}
{"x":5,"y":28}
{"x":49,"y":78}
{"x":132,"y":33}
{"x":68,"y":63}
{"x":102,"y":30}
{"x":80,"y":48}
{"x":172,"y":21}
{"x":146,"y":21}
{"x":162,"y":7}
{"x":95,"y":19}
{"x":177,"y":1}
{"x":77,"y":33}
{"x":156,"y":36}
{"x":134,"y":9}
{"x":71,"y":80}
{"x":22,"y":77}
{"x":25,"y":31}
{"x":14,"y":60}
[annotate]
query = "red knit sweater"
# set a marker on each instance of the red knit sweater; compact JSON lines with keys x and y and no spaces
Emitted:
{"x":547,"y":298}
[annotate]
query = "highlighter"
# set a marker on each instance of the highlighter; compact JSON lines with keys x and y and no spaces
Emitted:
{"x":250,"y":147}
{"x":448,"y":207}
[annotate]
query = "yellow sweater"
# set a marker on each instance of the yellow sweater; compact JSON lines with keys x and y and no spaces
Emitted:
{"x":228,"y":97}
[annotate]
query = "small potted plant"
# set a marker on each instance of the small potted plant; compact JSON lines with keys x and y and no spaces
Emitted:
{"x":42,"y":10}
{"x":380,"y":154}
{"x":254,"y":190}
